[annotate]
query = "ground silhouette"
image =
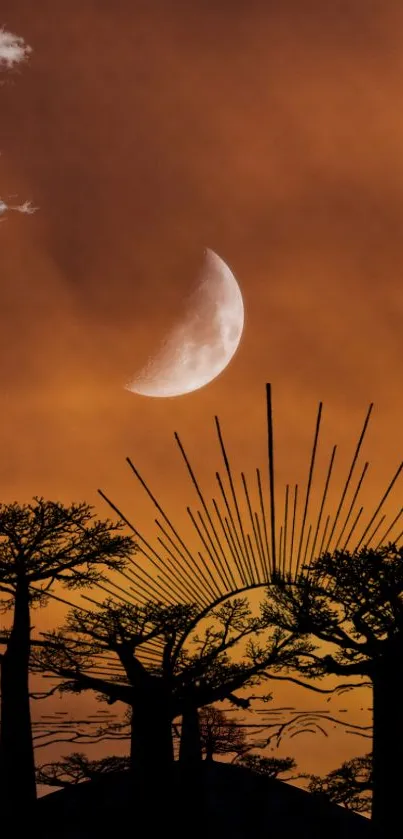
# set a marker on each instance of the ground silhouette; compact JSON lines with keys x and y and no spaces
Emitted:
{"x":237,"y":804}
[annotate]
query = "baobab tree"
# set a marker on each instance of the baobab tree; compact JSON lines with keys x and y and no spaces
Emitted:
{"x":167,"y":668}
{"x":353,"y":602}
{"x":41,"y":544}
{"x":123,"y":629}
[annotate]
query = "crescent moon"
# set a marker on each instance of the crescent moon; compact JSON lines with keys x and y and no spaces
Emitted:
{"x":202,"y":346}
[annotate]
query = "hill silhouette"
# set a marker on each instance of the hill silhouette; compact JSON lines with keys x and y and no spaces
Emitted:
{"x":238,"y":804}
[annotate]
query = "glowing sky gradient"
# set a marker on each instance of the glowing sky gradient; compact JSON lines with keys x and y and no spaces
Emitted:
{"x":273,"y":131}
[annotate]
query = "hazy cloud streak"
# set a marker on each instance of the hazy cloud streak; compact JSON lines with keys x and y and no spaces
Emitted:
{"x":26,"y":207}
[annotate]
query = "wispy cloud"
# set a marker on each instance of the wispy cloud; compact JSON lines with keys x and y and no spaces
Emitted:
{"x":13,"y":49}
{"x":26,"y":207}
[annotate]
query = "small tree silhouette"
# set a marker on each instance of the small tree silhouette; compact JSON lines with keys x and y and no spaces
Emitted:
{"x":354,"y":603}
{"x":41,"y":544}
{"x":350,"y":785}
{"x":220,"y":735}
{"x":77,"y":767}
{"x":270,"y":767}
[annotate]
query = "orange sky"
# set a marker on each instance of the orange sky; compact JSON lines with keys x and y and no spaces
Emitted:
{"x":271,"y":132}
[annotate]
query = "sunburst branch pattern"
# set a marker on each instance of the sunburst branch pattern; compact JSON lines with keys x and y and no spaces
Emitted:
{"x":239,"y":544}
{"x":352,"y":504}
{"x":242,"y":542}
{"x":322,"y":504}
{"x":186,"y":555}
{"x":270,"y":448}
{"x":233,"y":533}
{"x":294,"y":519}
{"x":285,"y":529}
{"x":269,"y":566}
{"x":170,"y":575}
{"x":379,"y":507}
{"x":350,"y":474}
{"x":215,"y":542}
{"x":309,"y":484}
{"x":390,"y":528}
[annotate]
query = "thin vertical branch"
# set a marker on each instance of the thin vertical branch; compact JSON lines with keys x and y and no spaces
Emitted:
{"x":308,"y":489}
{"x":294,"y":515}
{"x":230,"y":544}
{"x":324,"y":535}
{"x":354,"y":498}
{"x":391,"y":526}
{"x":271,"y":476}
{"x":358,"y":516}
{"x":374,"y":532}
{"x":245,"y":487}
{"x":239,"y":551}
{"x":263,"y":514}
{"x":234,"y":498}
{"x":324,"y":496}
{"x":205,"y":508}
{"x":285,"y":527}
{"x":356,"y":453}
{"x":380,"y":505}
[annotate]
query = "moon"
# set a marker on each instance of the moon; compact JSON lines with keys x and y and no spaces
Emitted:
{"x":202,"y":345}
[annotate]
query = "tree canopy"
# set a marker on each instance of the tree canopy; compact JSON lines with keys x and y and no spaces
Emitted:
{"x":350,"y":609}
{"x":350,"y":785}
{"x":41,"y":544}
{"x":353,"y":602}
{"x":159,"y":641}
{"x":47,"y":541}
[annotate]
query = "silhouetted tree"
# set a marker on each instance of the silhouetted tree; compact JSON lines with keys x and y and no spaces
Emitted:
{"x":77,"y":767}
{"x":185,"y":671}
{"x":41,"y":544}
{"x":270,"y":767}
{"x":219,"y":734}
{"x":160,"y":683}
{"x":353,"y":602}
{"x":124,"y":629}
{"x":350,"y":785}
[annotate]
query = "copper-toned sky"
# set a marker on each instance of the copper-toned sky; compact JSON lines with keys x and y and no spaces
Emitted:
{"x":271,"y":132}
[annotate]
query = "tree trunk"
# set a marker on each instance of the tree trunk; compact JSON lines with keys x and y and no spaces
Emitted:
{"x":190,"y":750}
{"x":209,"y":749}
{"x":17,"y":765}
{"x":151,"y":732}
{"x":192,"y":792}
{"x":388,"y":742}
{"x":152,"y":758}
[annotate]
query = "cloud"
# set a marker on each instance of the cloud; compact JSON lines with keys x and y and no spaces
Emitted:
{"x":13,"y":49}
{"x":26,"y":207}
